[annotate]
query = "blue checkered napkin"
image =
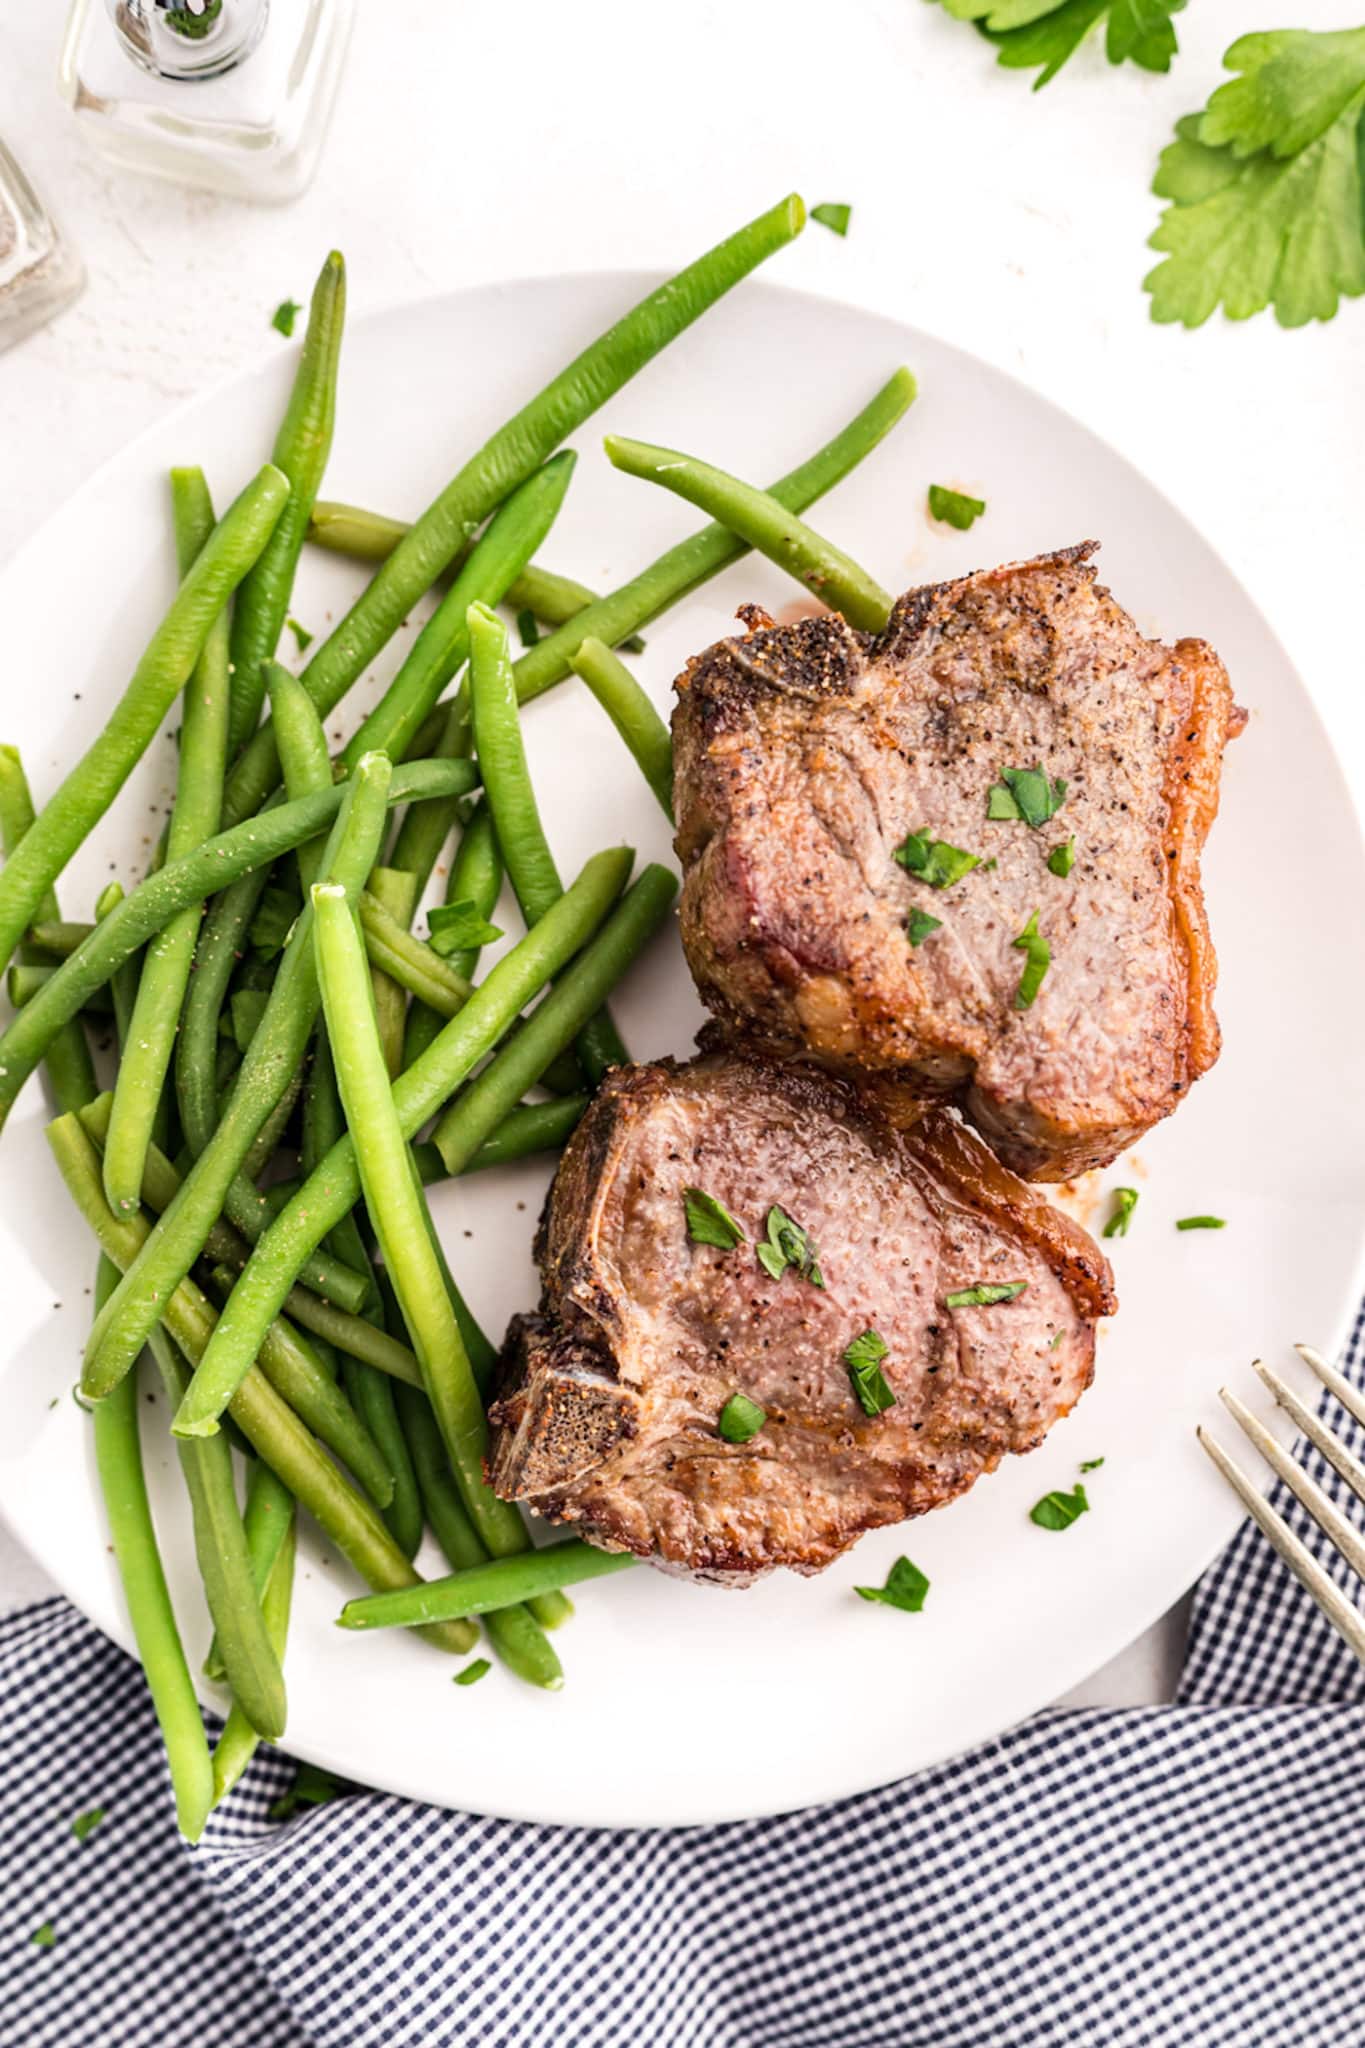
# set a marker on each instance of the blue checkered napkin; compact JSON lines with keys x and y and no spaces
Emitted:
{"x":1184,"y":1877}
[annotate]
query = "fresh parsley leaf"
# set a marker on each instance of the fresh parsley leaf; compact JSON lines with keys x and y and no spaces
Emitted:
{"x":1061,"y":858}
{"x":919,"y":924}
{"x":284,"y":316}
{"x":864,"y":1361}
{"x":1125,"y":1201}
{"x":1201,"y":1223}
{"x":459,"y":928}
{"x":1058,"y":1510}
{"x":788,"y":1245}
{"x":1042,"y":34}
{"x":44,"y":1936}
{"x":312,"y":1786}
{"x":741,"y":1419}
{"x":84,"y":1825}
{"x":933,"y":860}
{"x":1027,"y":794}
{"x":472,"y":1673}
{"x":1266,"y":186}
{"x":1037,"y":959}
{"x":905,"y":1588}
{"x":954,"y":508}
{"x":303,"y":639}
{"x":985,"y":1294}
{"x":709,"y":1221}
{"x":274,"y":920}
{"x":1091,"y":1464}
{"x":831,"y":215}
{"x":527,"y":629}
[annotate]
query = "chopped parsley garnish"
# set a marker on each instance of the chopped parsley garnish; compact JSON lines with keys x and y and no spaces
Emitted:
{"x":1125,"y":1201}
{"x":905,"y":1588}
{"x":919,"y":924}
{"x":788,"y":1245}
{"x":44,"y":1936}
{"x":84,"y":1825}
{"x":1025,"y":794}
{"x":303,"y":639}
{"x":1091,"y":1464}
{"x":472,"y":1673}
{"x":1060,"y":859}
{"x":933,"y":860}
{"x":832,"y":215}
{"x":740,"y":1419}
{"x":284,"y":316}
{"x":527,"y":629}
{"x":864,"y":1361}
{"x":1201,"y":1223}
{"x":460,"y":928}
{"x":1037,"y":959}
{"x":954,"y":508}
{"x":709,"y":1221}
{"x":1059,"y":1510}
{"x":985,"y":1294}
{"x":312,"y":1786}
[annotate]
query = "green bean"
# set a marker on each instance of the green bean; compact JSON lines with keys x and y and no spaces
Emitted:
{"x":118,"y":1461}
{"x":70,"y":1071}
{"x":249,"y":1659}
{"x":370,"y":1393}
{"x":477,"y":1112}
{"x":764,"y":523}
{"x":714,"y":548}
{"x":507,"y":784}
{"x":221,"y":944}
{"x":409,"y":961}
{"x":475,"y":878}
{"x":267,"y":1521}
{"x":55,"y":938}
{"x":268,"y":1423}
{"x":441,"y":648}
{"x":154,"y":902}
{"x":486,"y":1589}
{"x":370,"y":537}
{"x":304,"y":759}
{"x":513,"y":1632}
{"x":123,"y":981}
{"x":529,"y":1128}
{"x":507,"y":458}
{"x":426,"y":827}
{"x":396,"y":1208}
{"x":302,"y":446}
{"x":332,"y":1190}
{"x":274,"y":1057}
{"x":391,"y":896}
{"x":24,"y":979}
{"x":633,"y":715}
{"x":236,"y":1745}
{"x":87,"y":792}
{"x":169,"y":957}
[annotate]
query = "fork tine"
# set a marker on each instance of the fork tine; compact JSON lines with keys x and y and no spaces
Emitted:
{"x":1350,"y":1398}
{"x":1344,"y":1617}
{"x":1324,"y":1512}
{"x":1316,"y":1431}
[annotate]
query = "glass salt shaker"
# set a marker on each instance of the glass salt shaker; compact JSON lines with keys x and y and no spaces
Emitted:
{"x":234,"y":95}
{"x":39,"y":272}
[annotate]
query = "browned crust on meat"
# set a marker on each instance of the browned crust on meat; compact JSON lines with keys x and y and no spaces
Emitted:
{"x":1192,"y":784}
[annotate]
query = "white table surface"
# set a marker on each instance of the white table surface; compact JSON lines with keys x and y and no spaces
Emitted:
{"x":473,"y":143}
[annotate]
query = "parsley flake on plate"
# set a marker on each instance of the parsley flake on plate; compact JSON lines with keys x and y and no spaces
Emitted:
{"x":985,"y":1294}
{"x":954,"y":508}
{"x":472,"y":1673}
{"x":1058,"y":1510}
{"x":528,"y":632}
{"x":1125,"y":1201}
{"x":905,"y":1588}
{"x":1024,"y":794}
{"x":788,"y":1245}
{"x":741,"y":1419}
{"x":709,"y":1221}
{"x":919,"y":924}
{"x":284,"y":316}
{"x":864,"y":1361}
{"x":933,"y":860}
{"x":833,"y":215}
{"x":1091,"y":1464}
{"x":459,"y":928}
{"x":1201,"y":1223}
{"x":303,"y":639}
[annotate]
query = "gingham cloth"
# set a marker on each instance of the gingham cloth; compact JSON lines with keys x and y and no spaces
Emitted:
{"x":1178,"y":1877}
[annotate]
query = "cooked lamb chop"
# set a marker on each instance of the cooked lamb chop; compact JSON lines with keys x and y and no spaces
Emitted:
{"x":817,"y":769}
{"x":611,"y":1404}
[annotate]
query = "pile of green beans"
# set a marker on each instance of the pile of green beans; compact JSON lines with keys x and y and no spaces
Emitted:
{"x":296,"y":1063}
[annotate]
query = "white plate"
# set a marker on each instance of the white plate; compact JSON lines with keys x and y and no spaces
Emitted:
{"x":684,"y":1703}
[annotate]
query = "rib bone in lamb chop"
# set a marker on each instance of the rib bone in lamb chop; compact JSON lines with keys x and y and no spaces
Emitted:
{"x":887,"y":840}
{"x":617,"y":1407}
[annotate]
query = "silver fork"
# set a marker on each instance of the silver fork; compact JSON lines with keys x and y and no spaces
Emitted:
{"x":1344,"y":1616}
